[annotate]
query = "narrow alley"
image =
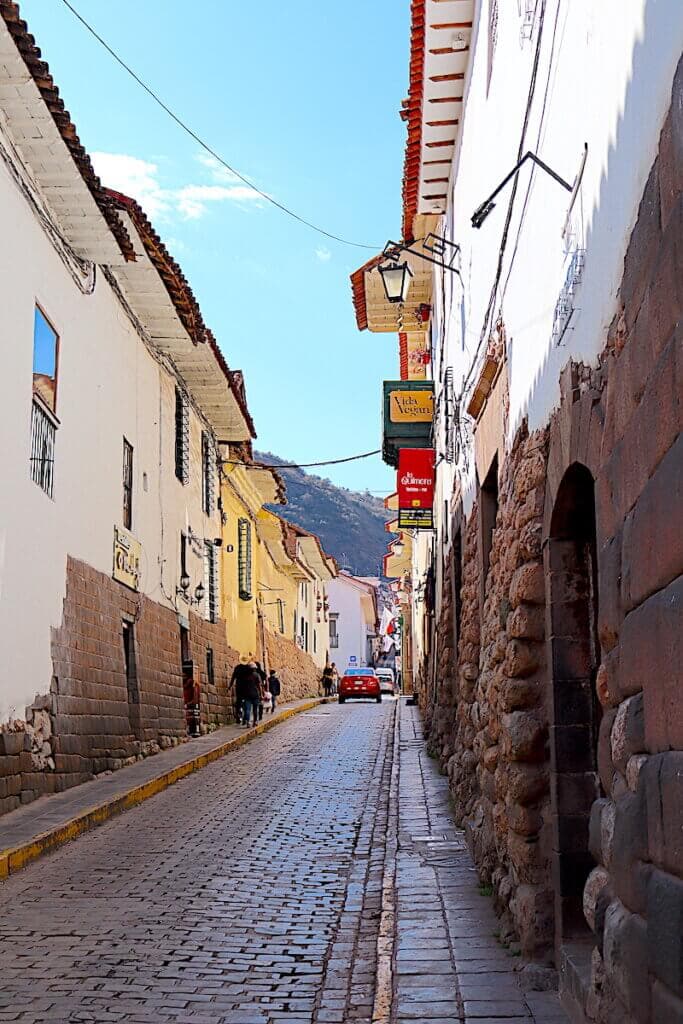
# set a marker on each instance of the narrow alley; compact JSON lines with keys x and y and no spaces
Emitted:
{"x":256,"y":891}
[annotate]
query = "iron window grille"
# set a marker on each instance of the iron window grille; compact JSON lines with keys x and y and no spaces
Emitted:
{"x":182,"y":437}
{"x":127,"y":484}
{"x":210,"y":673}
{"x":208,"y":475}
{"x":210,"y":581}
{"x":244,"y":559}
{"x":280,"y":614}
{"x":449,"y":415}
{"x":43,"y":435}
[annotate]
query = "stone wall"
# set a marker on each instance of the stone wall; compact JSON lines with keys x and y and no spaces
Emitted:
{"x":296,"y":670}
{"x":559,"y":710}
{"x":88,"y":722}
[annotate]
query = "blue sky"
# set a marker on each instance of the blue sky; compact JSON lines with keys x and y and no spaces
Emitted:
{"x":302,"y":97}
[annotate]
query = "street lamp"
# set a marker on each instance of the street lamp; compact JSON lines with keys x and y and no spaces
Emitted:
{"x":396,"y":280}
{"x":399,"y":548}
{"x":199,"y":592}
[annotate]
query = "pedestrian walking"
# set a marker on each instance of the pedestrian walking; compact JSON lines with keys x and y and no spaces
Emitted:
{"x":252,"y":695}
{"x":236,"y":685}
{"x":335,"y":680}
{"x":327,"y":680}
{"x":274,"y":688}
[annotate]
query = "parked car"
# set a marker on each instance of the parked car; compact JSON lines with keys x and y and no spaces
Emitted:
{"x":359,"y":682}
{"x":386,"y":678}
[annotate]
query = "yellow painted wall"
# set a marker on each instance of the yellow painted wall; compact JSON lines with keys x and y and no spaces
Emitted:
{"x":240,"y":616}
{"x":273,"y":584}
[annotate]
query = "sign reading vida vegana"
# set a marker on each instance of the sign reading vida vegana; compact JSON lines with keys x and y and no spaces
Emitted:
{"x":411,"y":406}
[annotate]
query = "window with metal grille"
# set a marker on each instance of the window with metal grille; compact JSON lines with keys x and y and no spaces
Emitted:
{"x":210,"y":582}
{"x":43,"y":434}
{"x":280,"y":614}
{"x":450,"y":416}
{"x":210,"y":674}
{"x":244,"y":559}
{"x":208,"y":474}
{"x":127,"y":484}
{"x":334,"y":635}
{"x":182,"y":437}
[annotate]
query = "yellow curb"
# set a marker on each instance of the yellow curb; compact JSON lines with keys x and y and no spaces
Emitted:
{"x":17,"y":857}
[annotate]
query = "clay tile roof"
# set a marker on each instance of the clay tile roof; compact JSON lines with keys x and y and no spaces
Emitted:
{"x":40,"y":72}
{"x":403,"y":355}
{"x":411,"y":113}
{"x":181,"y":295}
{"x":170,"y":273}
{"x":358,"y":291}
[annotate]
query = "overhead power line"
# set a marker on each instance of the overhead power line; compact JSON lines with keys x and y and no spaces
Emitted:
{"x":298,"y":465}
{"x":205,"y":146}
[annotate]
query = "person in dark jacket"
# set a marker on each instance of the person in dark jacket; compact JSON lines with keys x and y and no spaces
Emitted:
{"x":274,"y":688}
{"x":252,"y":694}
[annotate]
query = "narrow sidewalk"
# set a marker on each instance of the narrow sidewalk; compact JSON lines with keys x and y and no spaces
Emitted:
{"x":49,"y":822}
{"x":448,"y":966}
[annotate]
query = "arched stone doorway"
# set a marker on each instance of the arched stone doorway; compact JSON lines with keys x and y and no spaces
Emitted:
{"x":574,"y":656}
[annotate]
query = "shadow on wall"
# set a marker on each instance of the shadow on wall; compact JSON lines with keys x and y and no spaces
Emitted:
{"x":627,"y":168}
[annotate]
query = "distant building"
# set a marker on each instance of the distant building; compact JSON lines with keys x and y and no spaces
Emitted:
{"x":353,"y":621}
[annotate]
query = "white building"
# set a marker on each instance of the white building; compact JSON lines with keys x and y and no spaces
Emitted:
{"x":353,"y":621}
{"x":113,"y":400}
{"x":542,"y":211}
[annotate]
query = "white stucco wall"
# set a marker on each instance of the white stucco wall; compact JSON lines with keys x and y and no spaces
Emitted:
{"x":346,"y":600}
{"x":109,"y":386}
{"x":604,"y":78}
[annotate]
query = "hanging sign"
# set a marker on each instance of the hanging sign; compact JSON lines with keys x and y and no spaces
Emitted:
{"x":415,"y":486}
{"x":411,"y":406}
{"x":127,"y":555}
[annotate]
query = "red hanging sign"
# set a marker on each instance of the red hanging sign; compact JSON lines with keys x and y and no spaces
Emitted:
{"x":415,"y":484}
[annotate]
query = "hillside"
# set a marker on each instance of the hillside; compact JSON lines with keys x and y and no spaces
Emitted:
{"x":350,"y":524}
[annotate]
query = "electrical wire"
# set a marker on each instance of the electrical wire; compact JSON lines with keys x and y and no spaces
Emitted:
{"x":483,"y":337}
{"x":204,"y":145}
{"x":298,"y":465}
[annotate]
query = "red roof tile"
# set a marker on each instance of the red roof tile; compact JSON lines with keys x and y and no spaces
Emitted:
{"x":181,"y":295}
{"x":40,"y":72}
{"x":358,"y":291}
{"x":412,"y":114}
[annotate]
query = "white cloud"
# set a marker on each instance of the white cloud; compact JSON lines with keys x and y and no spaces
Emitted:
{"x":323,"y":254}
{"x":140,"y":180}
{"x":192,"y":199}
{"x":133,"y":177}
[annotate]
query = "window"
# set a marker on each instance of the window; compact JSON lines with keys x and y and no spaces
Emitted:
{"x":210,"y":678}
{"x":334,"y":635}
{"x":280,"y":614}
{"x":315,"y":640}
{"x":182,"y":436}
{"x":456,"y":583}
{"x":130,"y":668}
{"x":488,"y":504}
{"x":305,"y":636}
{"x":43,"y":421}
{"x":127,"y":484}
{"x":210,"y":581}
{"x":183,"y":555}
{"x":244,"y":559}
{"x":208,"y":475}
{"x":45,"y":353}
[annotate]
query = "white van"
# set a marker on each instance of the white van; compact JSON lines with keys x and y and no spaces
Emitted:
{"x":387,"y":680}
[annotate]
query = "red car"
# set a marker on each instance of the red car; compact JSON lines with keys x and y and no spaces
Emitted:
{"x":359,"y":682}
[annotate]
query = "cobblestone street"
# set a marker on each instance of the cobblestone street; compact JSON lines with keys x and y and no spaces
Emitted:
{"x":255,"y":890}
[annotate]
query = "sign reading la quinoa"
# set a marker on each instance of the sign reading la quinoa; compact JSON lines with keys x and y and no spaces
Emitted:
{"x":127,"y":556}
{"x":415,"y":487}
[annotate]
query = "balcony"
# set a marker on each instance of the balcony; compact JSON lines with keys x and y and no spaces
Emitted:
{"x":43,"y":434}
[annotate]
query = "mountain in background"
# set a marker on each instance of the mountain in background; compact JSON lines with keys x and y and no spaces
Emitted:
{"x":350,"y":524}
